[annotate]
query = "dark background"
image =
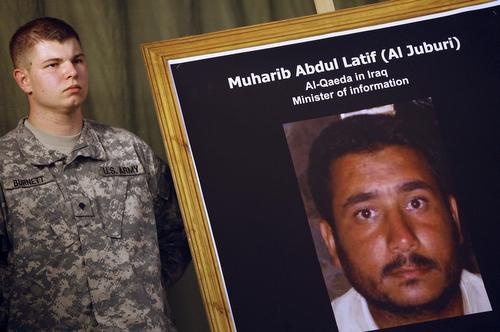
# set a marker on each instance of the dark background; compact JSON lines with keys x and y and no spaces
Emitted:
{"x":257,"y":216}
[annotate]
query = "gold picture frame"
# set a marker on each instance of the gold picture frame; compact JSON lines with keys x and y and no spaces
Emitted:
{"x":175,"y":137}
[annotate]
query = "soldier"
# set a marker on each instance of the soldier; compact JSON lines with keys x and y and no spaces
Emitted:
{"x":87,"y":210}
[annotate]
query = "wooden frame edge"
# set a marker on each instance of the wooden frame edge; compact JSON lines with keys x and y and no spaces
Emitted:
{"x":177,"y":149}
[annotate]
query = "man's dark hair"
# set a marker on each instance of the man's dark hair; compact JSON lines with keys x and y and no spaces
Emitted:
{"x":413,"y":126}
{"x":35,"y":31}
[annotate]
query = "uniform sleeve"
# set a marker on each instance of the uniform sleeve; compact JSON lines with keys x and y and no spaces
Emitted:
{"x":4,"y":244}
{"x":172,"y":239}
{"x":4,"y":247}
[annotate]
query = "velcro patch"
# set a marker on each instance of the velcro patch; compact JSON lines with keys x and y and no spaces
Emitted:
{"x":122,"y":170}
{"x":28,"y":181}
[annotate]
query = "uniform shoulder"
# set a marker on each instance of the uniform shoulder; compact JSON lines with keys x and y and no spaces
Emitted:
{"x":8,"y":146}
{"x":117,"y":141}
{"x":111,"y":133}
{"x":9,"y":137}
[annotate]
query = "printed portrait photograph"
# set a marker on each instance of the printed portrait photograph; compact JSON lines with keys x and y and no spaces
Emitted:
{"x":381,"y":204}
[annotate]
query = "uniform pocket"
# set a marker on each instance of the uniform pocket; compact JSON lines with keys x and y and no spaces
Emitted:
{"x":113,"y":206}
{"x":115,"y":179}
{"x":36,"y":206}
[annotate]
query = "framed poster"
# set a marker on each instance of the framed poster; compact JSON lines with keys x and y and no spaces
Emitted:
{"x":241,"y":113}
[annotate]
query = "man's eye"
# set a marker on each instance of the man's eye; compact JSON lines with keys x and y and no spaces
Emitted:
{"x":51,"y":65}
{"x":364,"y":214}
{"x":416,"y":203}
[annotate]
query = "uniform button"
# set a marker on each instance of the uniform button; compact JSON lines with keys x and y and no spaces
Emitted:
{"x":81,"y":206}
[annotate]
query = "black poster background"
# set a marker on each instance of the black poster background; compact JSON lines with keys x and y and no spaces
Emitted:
{"x":247,"y":177}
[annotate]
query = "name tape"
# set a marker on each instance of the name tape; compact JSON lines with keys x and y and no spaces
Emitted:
{"x":27,"y":182}
{"x":122,"y":170}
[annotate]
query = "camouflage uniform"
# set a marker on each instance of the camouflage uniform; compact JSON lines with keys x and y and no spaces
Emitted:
{"x":78,"y":237}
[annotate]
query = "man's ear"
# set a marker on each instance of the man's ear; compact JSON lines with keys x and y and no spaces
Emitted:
{"x":452,"y":202}
{"x":22,"y":78}
{"x":327,"y":235}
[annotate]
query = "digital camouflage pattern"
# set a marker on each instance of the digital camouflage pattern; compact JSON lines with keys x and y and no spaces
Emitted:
{"x":78,"y":234}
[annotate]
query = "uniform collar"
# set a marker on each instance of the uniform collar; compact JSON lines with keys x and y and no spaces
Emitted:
{"x":88,"y":145}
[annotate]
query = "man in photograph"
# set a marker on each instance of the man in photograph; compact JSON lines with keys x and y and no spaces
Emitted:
{"x":390,"y":220}
{"x":90,"y":231}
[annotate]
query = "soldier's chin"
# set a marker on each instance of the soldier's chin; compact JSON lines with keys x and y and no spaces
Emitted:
{"x":74,"y":102}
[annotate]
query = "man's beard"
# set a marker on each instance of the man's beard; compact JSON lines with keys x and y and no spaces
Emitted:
{"x":376,"y":297}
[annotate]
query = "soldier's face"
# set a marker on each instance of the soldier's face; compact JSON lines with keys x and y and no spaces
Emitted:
{"x":56,"y":76}
{"x":397,"y":239}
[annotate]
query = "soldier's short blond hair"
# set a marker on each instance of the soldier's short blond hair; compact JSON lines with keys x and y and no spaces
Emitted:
{"x":35,"y":31}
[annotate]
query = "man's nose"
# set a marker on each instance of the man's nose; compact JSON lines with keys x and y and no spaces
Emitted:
{"x":70,"y":70}
{"x":401,"y":237}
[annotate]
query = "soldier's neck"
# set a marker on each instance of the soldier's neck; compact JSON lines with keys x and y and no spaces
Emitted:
{"x":57,"y":123}
{"x":61,"y":144}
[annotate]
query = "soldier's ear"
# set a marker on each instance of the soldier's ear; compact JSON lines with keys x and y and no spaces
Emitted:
{"x":329,"y":240}
{"x":22,"y":78}
{"x":452,"y":203}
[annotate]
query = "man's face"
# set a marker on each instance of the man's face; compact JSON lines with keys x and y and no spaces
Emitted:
{"x":396,"y":238}
{"x":56,"y":76}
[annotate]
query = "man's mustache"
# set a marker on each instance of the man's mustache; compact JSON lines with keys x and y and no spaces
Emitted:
{"x":414,"y":259}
